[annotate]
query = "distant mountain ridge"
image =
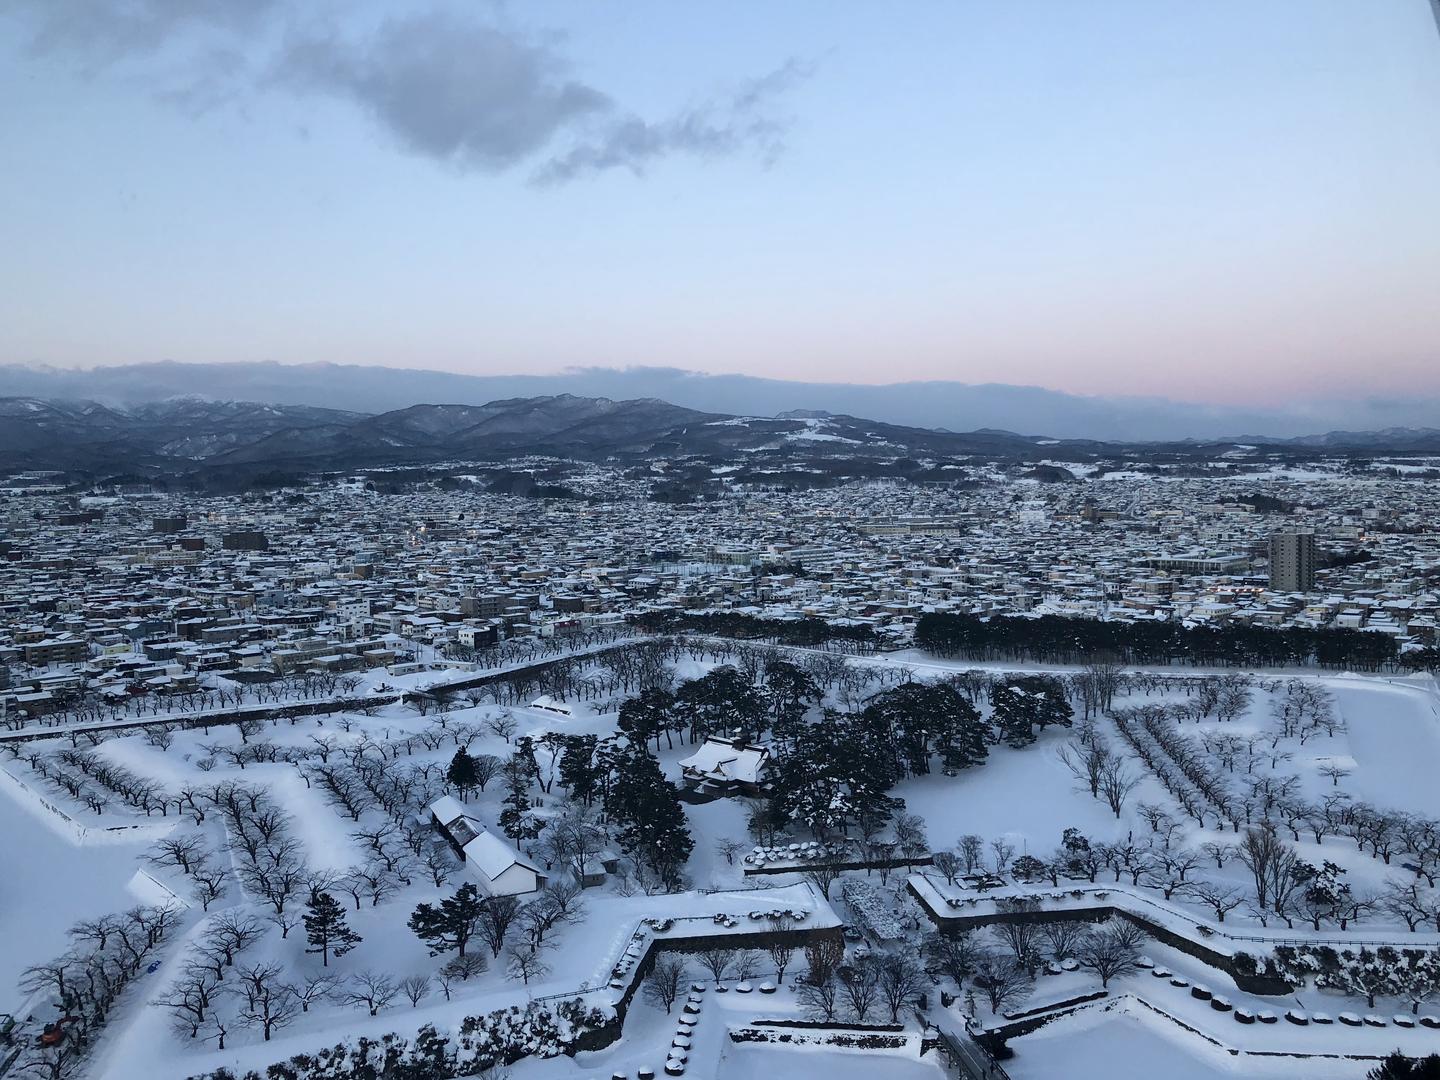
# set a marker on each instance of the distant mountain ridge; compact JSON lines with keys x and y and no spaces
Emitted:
{"x":190,"y":434}
{"x":949,"y":405}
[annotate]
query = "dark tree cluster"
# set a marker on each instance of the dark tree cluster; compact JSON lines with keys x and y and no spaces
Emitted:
{"x":1060,"y":640}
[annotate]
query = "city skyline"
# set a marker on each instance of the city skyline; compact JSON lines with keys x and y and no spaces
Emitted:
{"x":1206,"y":203}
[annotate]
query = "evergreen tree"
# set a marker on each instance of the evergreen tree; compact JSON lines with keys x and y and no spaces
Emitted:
{"x":836,"y":772}
{"x":326,"y":928}
{"x":578,"y":771}
{"x":1399,"y":1067}
{"x":967,"y":741}
{"x":790,"y":692}
{"x":1015,"y":710}
{"x":722,"y":701}
{"x":451,"y":924}
{"x":516,"y":820}
{"x":462,"y":775}
{"x":653,"y":827}
{"x":647,"y":716}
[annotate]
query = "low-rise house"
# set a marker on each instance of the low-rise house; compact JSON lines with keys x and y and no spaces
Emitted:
{"x":495,"y":865}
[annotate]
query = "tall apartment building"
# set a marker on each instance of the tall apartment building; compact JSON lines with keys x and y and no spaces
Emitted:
{"x":1292,"y":561}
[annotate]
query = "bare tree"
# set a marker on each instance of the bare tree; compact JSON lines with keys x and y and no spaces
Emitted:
{"x":267,"y":1002}
{"x":953,"y":955}
{"x":160,"y":737}
{"x":1109,"y":951}
{"x":464,"y":968}
{"x":821,"y":999}
{"x":747,"y":963}
{"x":823,"y":958}
{"x":1221,"y":897}
{"x":823,"y":876}
{"x":663,"y":983}
{"x":232,"y":932}
{"x":860,"y":987}
{"x":781,"y":947}
{"x":371,"y":989}
{"x":439,"y":863}
{"x":503,"y":726}
{"x":1085,"y":762}
{"x":1062,"y":937}
{"x":315,"y":988}
{"x":186,"y":852}
{"x":1271,"y":863}
{"x":487,"y":767}
{"x":727,"y":848}
{"x":525,"y":964}
{"x":717,"y":961}
{"x":1116,"y":784}
{"x":190,"y":997}
{"x":901,"y":980}
{"x":415,"y":988}
{"x":1003,"y":981}
{"x":948,"y":863}
{"x":1023,"y":941}
{"x":971,"y":850}
{"x":1001,"y":851}
{"x":496,"y":918}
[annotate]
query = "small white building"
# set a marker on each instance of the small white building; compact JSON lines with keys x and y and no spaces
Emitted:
{"x":499,"y":869}
{"x":495,"y":865}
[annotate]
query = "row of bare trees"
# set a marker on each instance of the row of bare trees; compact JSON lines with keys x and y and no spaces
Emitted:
{"x":105,"y":956}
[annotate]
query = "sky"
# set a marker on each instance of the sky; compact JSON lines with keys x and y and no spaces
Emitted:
{"x":1230,"y":201}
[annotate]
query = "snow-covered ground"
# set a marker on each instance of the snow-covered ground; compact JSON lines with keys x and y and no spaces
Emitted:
{"x":1130,"y":1043}
{"x":1394,"y":741}
{"x":1389,"y":741}
{"x":49,"y":881}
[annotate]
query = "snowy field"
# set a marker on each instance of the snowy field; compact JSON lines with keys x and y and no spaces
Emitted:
{"x":1379,"y":744}
{"x":48,"y":882}
{"x":1133,"y":1045}
{"x":1394,"y":742}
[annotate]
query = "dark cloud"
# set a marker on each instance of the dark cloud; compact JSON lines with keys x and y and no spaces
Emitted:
{"x":743,"y":121}
{"x":449,"y":88}
{"x":100,"y":33}
{"x":446,"y":84}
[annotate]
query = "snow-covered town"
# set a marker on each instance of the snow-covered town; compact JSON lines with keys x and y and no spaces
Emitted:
{"x":437,"y":782}
{"x":576,"y":540}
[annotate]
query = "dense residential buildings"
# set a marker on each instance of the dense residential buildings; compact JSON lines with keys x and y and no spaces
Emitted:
{"x":146,"y":592}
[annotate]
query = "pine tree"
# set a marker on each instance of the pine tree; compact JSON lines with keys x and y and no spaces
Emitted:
{"x":966,"y":742}
{"x":326,"y":928}
{"x":1016,"y":710}
{"x":647,"y":716}
{"x":577,"y":768}
{"x":462,"y":775}
{"x":1399,"y":1067}
{"x":653,"y":826}
{"x":452,"y":924}
{"x":516,"y":820}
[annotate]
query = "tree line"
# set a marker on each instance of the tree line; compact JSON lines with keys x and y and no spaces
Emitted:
{"x":1054,"y":639}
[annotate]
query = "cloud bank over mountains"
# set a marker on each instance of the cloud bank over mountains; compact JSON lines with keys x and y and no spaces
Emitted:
{"x":952,"y":405}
